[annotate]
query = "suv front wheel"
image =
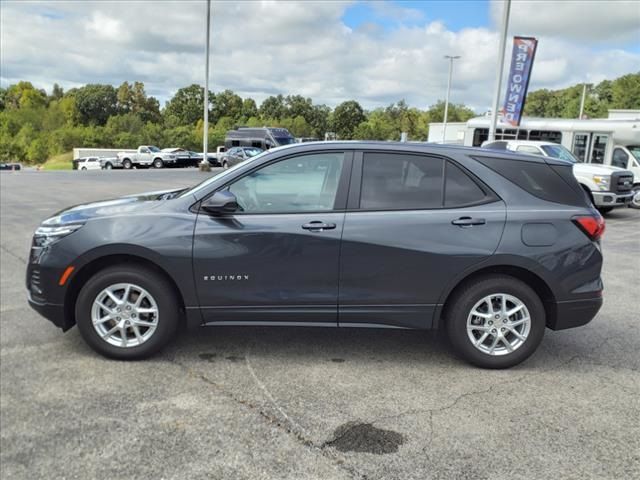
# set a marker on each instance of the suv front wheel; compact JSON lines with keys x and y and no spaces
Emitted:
{"x":495,"y":321}
{"x":127,"y":312}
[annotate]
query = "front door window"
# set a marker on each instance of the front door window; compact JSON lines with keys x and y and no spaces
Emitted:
{"x":307,"y":183}
{"x":620,"y":158}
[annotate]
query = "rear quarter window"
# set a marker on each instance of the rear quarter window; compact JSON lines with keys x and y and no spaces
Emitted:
{"x":551,"y":183}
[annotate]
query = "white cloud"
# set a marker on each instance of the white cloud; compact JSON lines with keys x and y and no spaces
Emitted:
{"x":265,"y":48}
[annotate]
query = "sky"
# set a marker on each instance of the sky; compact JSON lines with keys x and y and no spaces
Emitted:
{"x":376,"y":52}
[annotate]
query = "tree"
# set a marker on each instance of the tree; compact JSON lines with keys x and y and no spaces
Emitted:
{"x":346,"y":118}
{"x":186,"y":106}
{"x":57,"y":92}
{"x":249,"y":108}
{"x":273,"y":107}
{"x":226,"y":104}
{"x":625,"y":92}
{"x":96,"y":103}
{"x":319,"y":120}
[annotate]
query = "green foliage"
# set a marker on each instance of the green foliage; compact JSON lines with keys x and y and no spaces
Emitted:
{"x":35,"y":126}
{"x":623,"y":92}
{"x":95,"y":103}
{"x":346,"y":118}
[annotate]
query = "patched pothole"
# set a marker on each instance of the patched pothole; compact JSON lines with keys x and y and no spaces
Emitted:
{"x":365,"y":438}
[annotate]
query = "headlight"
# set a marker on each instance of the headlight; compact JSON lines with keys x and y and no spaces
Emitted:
{"x":603,"y":181}
{"x":47,"y":234}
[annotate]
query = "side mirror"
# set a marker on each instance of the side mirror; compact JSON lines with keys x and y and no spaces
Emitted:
{"x":221,"y":203}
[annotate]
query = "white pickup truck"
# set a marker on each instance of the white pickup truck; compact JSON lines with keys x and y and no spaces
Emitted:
{"x":147,"y":156}
{"x":608,"y":187}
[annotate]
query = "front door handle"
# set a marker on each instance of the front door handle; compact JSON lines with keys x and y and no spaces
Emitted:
{"x":318,"y":226}
{"x":468,"y":221}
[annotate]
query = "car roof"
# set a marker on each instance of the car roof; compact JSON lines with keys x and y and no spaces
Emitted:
{"x":417,"y":147}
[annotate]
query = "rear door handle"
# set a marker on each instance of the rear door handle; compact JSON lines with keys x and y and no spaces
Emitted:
{"x":318,"y":226}
{"x":468,"y":221}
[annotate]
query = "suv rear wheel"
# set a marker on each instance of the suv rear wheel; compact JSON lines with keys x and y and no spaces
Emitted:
{"x":126,"y":312}
{"x":495,"y":321}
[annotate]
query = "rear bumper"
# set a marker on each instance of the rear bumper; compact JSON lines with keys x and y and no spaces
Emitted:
{"x":53,"y":313}
{"x":574,"y":313}
{"x":610,"y":199}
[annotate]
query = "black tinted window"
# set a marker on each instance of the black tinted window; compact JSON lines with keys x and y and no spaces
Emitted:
{"x":539,"y":179}
{"x":460,"y":189}
{"x":401,"y":181}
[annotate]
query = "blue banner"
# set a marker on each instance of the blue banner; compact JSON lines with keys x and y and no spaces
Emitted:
{"x":524,"y":51}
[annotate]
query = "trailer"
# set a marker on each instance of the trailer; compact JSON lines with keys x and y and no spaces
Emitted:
{"x":83,"y":152}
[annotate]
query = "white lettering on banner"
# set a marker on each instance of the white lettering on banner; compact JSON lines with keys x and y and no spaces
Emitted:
{"x":511,"y":107}
{"x":514,"y":97}
{"x":517,"y":78}
{"x":519,"y":66}
{"x":521,"y":57}
{"x":523,"y":46}
{"x":516,"y":88}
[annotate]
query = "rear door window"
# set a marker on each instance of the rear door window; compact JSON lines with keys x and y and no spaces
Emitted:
{"x":392,"y":181}
{"x":460,"y":189}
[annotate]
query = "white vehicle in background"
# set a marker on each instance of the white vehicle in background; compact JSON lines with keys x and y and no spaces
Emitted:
{"x":611,"y":141}
{"x":89,"y":163}
{"x":608,"y":187}
{"x":147,"y":156}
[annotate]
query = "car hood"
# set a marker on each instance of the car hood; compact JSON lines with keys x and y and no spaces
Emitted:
{"x":591,"y":169}
{"x":118,"y":206}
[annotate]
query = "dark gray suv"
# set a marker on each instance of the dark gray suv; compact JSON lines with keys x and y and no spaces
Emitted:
{"x":494,"y":247}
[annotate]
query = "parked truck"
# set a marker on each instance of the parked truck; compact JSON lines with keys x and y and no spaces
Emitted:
{"x":147,"y":156}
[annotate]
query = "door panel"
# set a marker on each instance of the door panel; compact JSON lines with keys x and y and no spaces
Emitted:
{"x":394,"y":265}
{"x":267,"y":267}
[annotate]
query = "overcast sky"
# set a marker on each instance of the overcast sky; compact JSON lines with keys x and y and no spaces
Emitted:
{"x":374,"y":52}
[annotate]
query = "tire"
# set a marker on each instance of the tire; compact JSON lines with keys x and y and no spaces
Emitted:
{"x":604,"y":210}
{"x":468,"y":298}
{"x":158,"y":163}
{"x":635,"y":202}
{"x":83,"y":168}
{"x":127,"y":164}
{"x":156,"y":293}
{"x":108,"y":166}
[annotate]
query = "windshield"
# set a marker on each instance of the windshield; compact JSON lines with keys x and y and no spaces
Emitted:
{"x":558,"y":151}
{"x":285,"y":140}
{"x":223,"y":173}
{"x":252,"y":152}
{"x":154,"y":149}
{"x":635,"y":151}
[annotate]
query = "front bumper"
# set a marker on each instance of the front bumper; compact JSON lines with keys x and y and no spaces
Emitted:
{"x":53,"y":313}
{"x":574,"y":313}
{"x":610,"y":199}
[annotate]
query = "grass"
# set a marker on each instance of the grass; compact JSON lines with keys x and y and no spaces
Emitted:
{"x":59,"y":162}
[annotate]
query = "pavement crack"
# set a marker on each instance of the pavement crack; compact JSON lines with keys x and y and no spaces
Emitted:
{"x":330,"y":455}
{"x":14,"y":255}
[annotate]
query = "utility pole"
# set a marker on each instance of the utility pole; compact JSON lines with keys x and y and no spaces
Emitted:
{"x":584,"y":94}
{"x":503,"y":44}
{"x":205,"y":136}
{"x":451,"y":58}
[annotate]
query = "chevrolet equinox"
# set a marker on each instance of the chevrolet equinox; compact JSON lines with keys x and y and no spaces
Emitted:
{"x":494,"y":247}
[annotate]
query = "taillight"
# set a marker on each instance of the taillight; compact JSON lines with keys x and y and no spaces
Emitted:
{"x":592,"y":225}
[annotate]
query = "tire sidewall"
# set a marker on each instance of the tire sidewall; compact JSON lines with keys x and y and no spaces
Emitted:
{"x":127,"y":164}
{"x":157,"y":163}
{"x":466,"y":300}
{"x":159,"y":289}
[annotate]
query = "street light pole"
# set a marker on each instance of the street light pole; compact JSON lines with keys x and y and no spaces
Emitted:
{"x":584,"y":94}
{"x":446,"y":102}
{"x":503,"y":44}
{"x":205,"y":136}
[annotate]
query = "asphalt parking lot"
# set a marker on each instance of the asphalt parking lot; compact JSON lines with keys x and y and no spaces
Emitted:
{"x":304,"y":403}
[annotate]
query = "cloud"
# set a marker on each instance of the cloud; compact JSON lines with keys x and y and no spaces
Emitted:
{"x":265,"y":48}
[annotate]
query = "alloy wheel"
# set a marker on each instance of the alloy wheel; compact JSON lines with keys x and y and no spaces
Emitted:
{"x":498,"y":324}
{"x":125,"y":315}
